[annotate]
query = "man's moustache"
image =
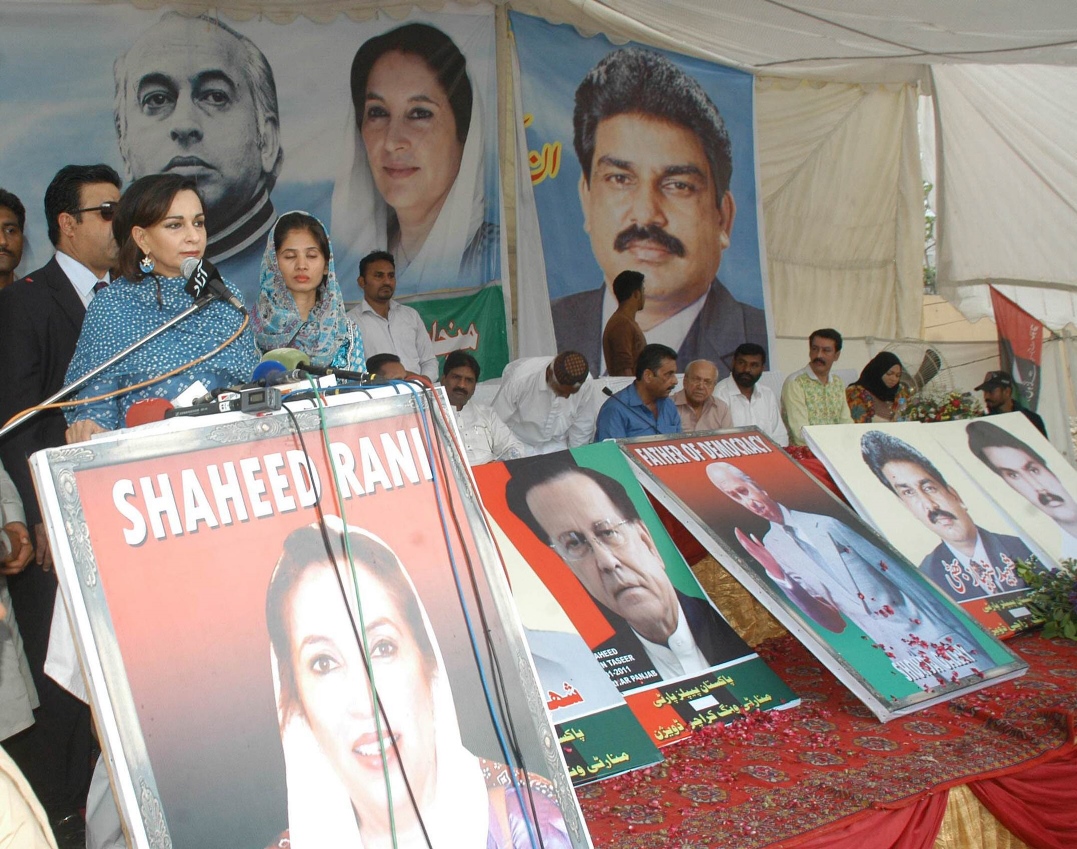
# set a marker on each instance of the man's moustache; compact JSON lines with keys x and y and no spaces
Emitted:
{"x":745,"y":378}
{"x":651,"y":233}
{"x":1048,"y":499}
{"x":937,"y":514}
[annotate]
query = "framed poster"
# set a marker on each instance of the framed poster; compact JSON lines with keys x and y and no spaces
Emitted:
{"x":298,"y":626}
{"x":587,"y":530}
{"x":887,"y":633}
{"x":922,"y":496}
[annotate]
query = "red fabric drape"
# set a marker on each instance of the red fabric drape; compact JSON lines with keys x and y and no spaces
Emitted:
{"x":913,"y":827}
{"x":1038,"y":804}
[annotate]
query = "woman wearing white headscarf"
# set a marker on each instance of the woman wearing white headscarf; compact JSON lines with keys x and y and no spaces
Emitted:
{"x":345,"y":768}
{"x":413,"y":180}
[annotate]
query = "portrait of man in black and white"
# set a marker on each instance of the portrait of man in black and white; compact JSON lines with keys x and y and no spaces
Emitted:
{"x":195,"y":97}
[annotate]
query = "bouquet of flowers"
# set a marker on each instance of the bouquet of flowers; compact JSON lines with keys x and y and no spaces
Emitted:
{"x":943,"y":407}
{"x":1053,"y":598}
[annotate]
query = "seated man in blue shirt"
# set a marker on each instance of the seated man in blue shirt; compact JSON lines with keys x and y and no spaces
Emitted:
{"x":643,"y":407}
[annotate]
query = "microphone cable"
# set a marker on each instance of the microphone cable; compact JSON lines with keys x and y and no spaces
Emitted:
{"x":358,"y":628}
{"x":534,"y":836}
{"x":141,"y":385}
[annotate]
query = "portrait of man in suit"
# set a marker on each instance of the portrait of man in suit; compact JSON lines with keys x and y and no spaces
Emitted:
{"x":195,"y":97}
{"x":969,"y":561}
{"x":1026,"y":472}
{"x":40,"y":319}
{"x":655,"y":192}
{"x":589,"y":520}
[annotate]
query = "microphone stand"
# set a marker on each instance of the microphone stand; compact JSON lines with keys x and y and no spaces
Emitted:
{"x":64,"y":391}
{"x":609,"y":393}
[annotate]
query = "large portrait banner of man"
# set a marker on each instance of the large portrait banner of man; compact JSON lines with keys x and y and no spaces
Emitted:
{"x":385,"y":130}
{"x":587,"y":530}
{"x":262,"y":677}
{"x":947,"y":523}
{"x":1040,"y":486}
{"x":884,"y":631}
{"x":643,"y":160}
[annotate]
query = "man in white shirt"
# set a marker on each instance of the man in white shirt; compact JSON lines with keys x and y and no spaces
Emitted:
{"x":833,"y":574}
{"x":485,"y":436}
{"x":549,"y":404}
{"x":749,"y":403}
{"x":388,"y":326}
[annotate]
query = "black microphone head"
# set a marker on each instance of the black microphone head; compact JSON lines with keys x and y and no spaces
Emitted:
{"x":607,"y":391}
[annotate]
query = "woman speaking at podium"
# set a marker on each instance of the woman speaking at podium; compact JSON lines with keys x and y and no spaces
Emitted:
{"x":160,"y":223}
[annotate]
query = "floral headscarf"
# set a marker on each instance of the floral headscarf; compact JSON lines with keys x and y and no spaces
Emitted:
{"x":327,"y":336}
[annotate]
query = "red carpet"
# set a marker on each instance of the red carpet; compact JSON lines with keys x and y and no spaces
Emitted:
{"x":830,"y":767}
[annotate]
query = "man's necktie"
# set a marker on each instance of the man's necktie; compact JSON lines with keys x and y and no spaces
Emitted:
{"x":99,"y":285}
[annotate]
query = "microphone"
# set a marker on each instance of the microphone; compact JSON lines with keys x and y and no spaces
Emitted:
{"x":147,"y":410}
{"x":267,"y":370}
{"x":286,"y":358}
{"x":203,"y":279}
{"x":292,"y":359}
{"x":609,"y":394}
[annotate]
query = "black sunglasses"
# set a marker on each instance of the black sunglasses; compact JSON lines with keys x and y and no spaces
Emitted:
{"x":107,"y":209}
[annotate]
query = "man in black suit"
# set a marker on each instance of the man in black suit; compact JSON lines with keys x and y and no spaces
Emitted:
{"x":656,"y":162}
{"x":590,"y":521}
{"x":970,"y":561}
{"x":12,"y":223}
{"x":40,"y":319}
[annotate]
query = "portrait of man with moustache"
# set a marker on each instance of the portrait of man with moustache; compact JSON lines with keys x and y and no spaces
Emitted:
{"x":656,"y":164}
{"x":970,"y":561}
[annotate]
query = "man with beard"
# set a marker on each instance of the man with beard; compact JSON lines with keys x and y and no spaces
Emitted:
{"x":12,"y":222}
{"x":970,"y":562}
{"x":388,"y":326}
{"x":656,"y":162}
{"x":998,"y":398}
{"x":643,"y":408}
{"x":486,"y":438}
{"x":1027,"y":474}
{"x":750,"y":403}
{"x":696,"y":404}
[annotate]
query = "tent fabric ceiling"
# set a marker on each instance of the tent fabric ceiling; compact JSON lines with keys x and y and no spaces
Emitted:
{"x":850,"y":40}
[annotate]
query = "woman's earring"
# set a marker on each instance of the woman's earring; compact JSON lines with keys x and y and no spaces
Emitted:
{"x":146,"y":264}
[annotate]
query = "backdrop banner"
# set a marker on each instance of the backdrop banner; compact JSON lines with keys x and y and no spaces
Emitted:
{"x":265,"y":124}
{"x":643,"y":160}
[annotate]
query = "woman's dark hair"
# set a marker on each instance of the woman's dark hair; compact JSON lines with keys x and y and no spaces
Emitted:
{"x":145,"y":203}
{"x":438,"y":52}
{"x":301,"y":221}
{"x":303,"y":549}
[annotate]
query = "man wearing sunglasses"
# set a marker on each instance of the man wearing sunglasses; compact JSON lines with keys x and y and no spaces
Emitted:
{"x":589,"y":520}
{"x":40,"y":319}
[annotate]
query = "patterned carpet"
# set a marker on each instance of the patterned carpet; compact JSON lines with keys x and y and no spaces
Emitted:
{"x":777,"y":775}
